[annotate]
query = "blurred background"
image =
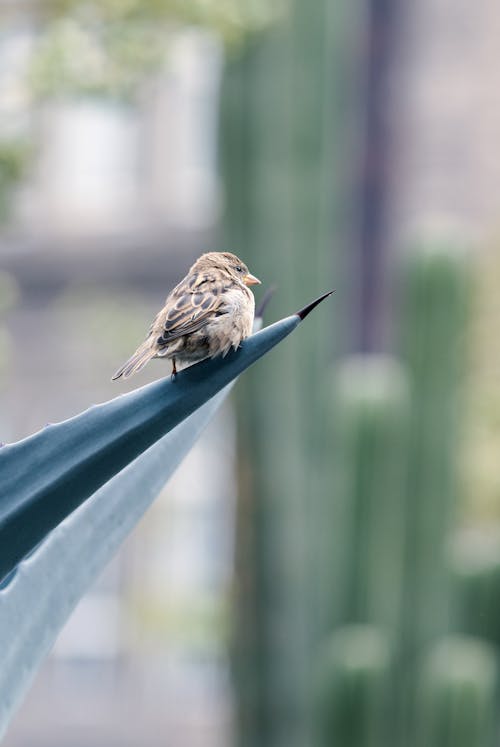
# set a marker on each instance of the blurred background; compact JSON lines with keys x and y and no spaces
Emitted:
{"x":324,"y":568}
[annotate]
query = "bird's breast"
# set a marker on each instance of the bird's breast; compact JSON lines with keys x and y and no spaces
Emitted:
{"x":233,"y":323}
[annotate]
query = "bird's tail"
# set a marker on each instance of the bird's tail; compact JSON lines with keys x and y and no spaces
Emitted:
{"x":136,"y":362}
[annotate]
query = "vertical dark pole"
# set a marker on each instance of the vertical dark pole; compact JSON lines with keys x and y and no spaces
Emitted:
{"x":374,"y":173}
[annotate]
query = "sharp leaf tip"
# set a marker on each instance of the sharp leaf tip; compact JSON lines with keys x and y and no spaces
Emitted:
{"x":307,"y":309}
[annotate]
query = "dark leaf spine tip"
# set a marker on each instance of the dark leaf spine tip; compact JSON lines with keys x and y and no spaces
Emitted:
{"x":307,"y":309}
{"x":259,"y":311}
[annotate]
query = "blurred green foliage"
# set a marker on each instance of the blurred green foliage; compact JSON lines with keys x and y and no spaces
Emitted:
{"x":72,"y":57}
{"x":457,"y":694}
{"x":230,"y":18}
{"x":370,"y":408}
{"x":107,"y":48}
{"x":434,"y":294}
{"x":352,"y":688}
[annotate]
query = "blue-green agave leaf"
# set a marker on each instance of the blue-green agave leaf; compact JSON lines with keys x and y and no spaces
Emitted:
{"x":45,"y":587}
{"x":45,"y":477}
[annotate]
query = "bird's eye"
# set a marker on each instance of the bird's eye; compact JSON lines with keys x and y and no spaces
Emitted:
{"x":239,"y":268}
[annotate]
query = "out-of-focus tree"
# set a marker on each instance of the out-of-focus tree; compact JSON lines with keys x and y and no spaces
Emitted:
{"x":109,"y":47}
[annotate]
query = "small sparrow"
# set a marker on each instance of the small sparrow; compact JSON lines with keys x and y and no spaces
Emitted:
{"x":209,"y":312}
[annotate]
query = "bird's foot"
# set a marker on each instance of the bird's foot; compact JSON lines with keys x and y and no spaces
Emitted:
{"x":174,"y":371}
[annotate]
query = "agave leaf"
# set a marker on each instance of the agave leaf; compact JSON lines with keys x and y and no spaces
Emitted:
{"x":45,"y":587}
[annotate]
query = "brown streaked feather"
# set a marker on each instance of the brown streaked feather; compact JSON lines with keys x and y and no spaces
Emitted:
{"x":189,"y":308}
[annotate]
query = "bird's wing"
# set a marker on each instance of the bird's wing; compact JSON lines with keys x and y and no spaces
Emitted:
{"x":190,"y":306}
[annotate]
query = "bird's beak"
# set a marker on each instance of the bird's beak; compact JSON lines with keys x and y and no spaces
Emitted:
{"x":251,"y":280}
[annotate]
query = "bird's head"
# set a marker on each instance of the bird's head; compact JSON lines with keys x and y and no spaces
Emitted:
{"x":227,"y":263}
